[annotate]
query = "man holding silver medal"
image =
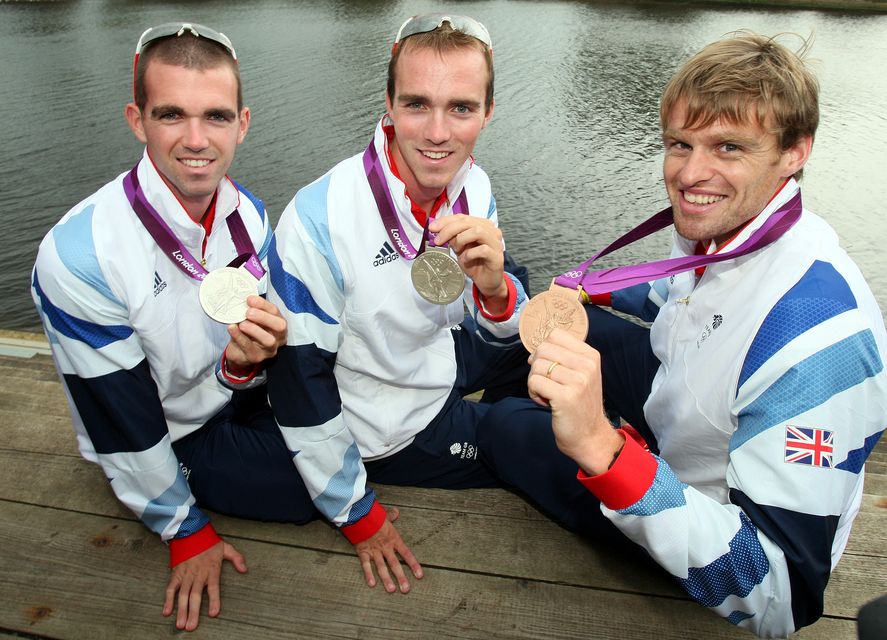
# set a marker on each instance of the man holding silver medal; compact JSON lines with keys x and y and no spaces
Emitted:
{"x":147,"y":292}
{"x":756,"y":396}
{"x":369,"y":269}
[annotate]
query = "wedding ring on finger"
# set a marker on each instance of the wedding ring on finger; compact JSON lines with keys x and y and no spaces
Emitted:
{"x":551,"y":368}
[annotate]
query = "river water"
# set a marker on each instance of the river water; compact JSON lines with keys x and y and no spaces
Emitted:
{"x":573,"y":149}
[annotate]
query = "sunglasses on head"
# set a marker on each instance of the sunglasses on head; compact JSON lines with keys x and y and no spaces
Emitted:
{"x":180,"y":28}
{"x":426,"y":22}
{"x":170,"y":29}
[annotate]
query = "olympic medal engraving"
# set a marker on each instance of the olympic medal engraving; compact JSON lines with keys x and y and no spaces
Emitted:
{"x":557,"y":308}
{"x":437,"y":276}
{"x":223,"y":294}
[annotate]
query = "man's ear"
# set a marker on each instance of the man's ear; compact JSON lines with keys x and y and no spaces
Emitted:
{"x":133,"y":117}
{"x":795,"y":157}
{"x":489,"y":114}
{"x":244,"y":124}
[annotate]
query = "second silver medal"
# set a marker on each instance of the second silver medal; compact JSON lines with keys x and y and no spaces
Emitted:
{"x":436,"y":276}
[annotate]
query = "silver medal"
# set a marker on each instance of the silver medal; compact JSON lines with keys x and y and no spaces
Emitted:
{"x":437,"y":276}
{"x":223,"y":294}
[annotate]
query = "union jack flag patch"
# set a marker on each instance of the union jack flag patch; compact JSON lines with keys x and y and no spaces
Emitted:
{"x":813,"y":447}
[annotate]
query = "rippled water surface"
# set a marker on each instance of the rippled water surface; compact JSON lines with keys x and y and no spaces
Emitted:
{"x":573,"y":150}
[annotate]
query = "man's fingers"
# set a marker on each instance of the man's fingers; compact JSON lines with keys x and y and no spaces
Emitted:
{"x":171,"y":588}
{"x":182,"y":604}
{"x":394,"y":564}
{"x":194,"y":599}
{"x":236,"y":558}
{"x":366,"y":564}
{"x":212,"y":591}
{"x":382,"y":568}
{"x":391,"y":513}
{"x":410,"y":559}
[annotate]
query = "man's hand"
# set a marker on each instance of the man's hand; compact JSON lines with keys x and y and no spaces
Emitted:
{"x":572,"y":388}
{"x":258,"y":337}
{"x":478,"y":244}
{"x":190,"y":577}
{"x":382,"y":550}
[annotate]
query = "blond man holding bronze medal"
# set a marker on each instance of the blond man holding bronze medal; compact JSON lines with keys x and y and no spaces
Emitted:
{"x":749,"y":407}
{"x":148,"y":294}
{"x":374,"y":267}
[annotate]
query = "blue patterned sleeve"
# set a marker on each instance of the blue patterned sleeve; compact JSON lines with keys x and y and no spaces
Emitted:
{"x":307,"y":286}
{"x":811,"y":403}
{"x":114,"y":402}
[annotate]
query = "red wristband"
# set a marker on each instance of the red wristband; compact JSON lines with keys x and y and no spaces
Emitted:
{"x":232,"y":377}
{"x":509,"y":305}
{"x":367,"y":526}
{"x":601,"y":299}
{"x":627,"y":480}
{"x":181,"y":549}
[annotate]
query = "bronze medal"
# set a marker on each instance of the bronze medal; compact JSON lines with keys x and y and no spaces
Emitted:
{"x":557,"y":308}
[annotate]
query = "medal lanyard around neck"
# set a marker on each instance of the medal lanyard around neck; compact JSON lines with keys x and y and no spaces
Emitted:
{"x":174,"y":249}
{"x":607,"y":280}
{"x":378,"y":185}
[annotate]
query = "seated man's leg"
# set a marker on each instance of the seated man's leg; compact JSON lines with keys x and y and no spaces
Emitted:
{"x":443,"y":455}
{"x":500,"y":371}
{"x":628,"y":366}
{"x":238,"y":464}
{"x":516,"y":441}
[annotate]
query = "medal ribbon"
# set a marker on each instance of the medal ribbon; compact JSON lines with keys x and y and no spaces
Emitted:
{"x":174,"y":249}
{"x":378,"y":185}
{"x":607,"y":280}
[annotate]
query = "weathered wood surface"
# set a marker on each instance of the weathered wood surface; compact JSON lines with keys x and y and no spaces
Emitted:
{"x":75,"y":564}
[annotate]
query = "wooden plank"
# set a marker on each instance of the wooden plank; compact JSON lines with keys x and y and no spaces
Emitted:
{"x":876,"y":484}
{"x":870,"y":528}
{"x":100,"y":578}
{"x":504,"y":503}
{"x":38,"y":433}
{"x":18,"y":370}
{"x":35,"y":398}
{"x":481,"y":543}
{"x":523,"y":549}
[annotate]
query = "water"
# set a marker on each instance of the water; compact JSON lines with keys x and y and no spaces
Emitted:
{"x":573,"y":149}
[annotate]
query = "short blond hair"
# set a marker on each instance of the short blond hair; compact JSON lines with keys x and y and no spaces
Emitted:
{"x":747,"y":74}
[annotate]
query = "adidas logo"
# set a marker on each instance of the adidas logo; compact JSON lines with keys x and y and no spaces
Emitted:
{"x":386,"y":254}
{"x":159,"y":284}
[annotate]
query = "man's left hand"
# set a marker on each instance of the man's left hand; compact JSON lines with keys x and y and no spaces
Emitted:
{"x":258,"y":337}
{"x":188,"y":580}
{"x":565,"y":374}
{"x":478,"y":244}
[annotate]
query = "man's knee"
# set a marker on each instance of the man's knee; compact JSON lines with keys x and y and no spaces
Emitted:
{"x":512,"y":429}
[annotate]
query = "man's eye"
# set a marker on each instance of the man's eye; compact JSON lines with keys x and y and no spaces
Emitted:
{"x":729,"y":147}
{"x":461,"y":109}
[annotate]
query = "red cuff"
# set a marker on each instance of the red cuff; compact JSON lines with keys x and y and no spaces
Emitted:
{"x":627,"y":480}
{"x":234,"y":379}
{"x":367,"y":526}
{"x":509,"y":306}
{"x":181,"y":549}
{"x":601,"y":299}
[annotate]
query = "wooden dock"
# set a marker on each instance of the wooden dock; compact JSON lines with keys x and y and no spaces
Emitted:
{"x":74,"y":563}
